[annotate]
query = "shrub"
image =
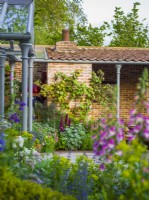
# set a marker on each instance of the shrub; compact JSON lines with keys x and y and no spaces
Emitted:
{"x":46,"y":135}
{"x":72,"y":137}
{"x":12,"y":188}
{"x":79,"y":179}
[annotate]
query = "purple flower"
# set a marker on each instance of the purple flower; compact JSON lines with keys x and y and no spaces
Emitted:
{"x":139,"y":118}
{"x":133,"y":112}
{"x":146,"y":120}
{"x":61,"y":126}
{"x":94,"y":137}
{"x":102,"y":141}
{"x":111,"y":144}
{"x":112,"y":131}
{"x":137,"y":129}
{"x":96,"y":144}
{"x":131,"y":137}
{"x":66,"y":119}
{"x":101,"y":152}
{"x":120,"y":135}
{"x":14,"y":118}
{"x":22,"y":103}
{"x":102,"y":135}
{"x":103,"y":123}
{"x":11,"y":78}
{"x":102,"y":167}
{"x":146,"y":134}
{"x":121,"y":121}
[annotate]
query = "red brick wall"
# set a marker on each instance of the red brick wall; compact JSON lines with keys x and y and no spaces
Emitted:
{"x":68,"y":68}
{"x":38,"y":70}
{"x":128,"y":81}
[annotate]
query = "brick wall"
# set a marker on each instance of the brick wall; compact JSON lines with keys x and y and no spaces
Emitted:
{"x":128,"y":81}
{"x":38,"y":71}
{"x":68,"y":68}
{"x":18,"y":71}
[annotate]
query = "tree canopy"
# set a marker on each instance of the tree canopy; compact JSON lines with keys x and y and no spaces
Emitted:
{"x":127,"y":30}
{"x":51,"y":16}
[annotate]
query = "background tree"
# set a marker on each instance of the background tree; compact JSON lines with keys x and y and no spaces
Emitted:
{"x":127,"y":30}
{"x":87,"y":35}
{"x":51,"y":16}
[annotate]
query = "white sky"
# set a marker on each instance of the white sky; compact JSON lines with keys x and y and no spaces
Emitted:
{"x":98,"y":11}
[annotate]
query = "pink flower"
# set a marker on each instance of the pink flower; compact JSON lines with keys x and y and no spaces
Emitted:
{"x":133,"y":112}
{"x":146,"y":134}
{"x":139,"y":118}
{"x":119,"y":153}
{"x":112,"y":131}
{"x":111,"y":144}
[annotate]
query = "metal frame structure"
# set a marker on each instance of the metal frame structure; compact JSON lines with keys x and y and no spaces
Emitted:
{"x":26,"y":45}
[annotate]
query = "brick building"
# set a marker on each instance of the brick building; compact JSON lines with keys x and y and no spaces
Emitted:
{"x":121,"y":66}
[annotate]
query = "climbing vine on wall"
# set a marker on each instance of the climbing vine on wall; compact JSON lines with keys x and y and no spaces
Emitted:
{"x":74,"y":97}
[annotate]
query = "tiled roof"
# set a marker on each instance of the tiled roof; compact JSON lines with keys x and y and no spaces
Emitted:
{"x":101,"y":54}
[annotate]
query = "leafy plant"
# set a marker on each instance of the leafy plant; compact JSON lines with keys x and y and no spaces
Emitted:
{"x":49,"y":114}
{"x":74,"y":97}
{"x":72,"y":137}
{"x":45,"y":135}
{"x":78,"y":179}
{"x":12,"y":187}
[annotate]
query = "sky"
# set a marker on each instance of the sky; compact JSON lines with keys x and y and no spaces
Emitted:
{"x":98,"y":11}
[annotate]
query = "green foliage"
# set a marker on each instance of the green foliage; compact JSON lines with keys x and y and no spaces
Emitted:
{"x":18,"y":152}
{"x":45,"y":135}
{"x":87,"y":35}
{"x":101,"y":92}
{"x":48,"y":114}
{"x":72,"y":138}
{"x":77,"y":179}
{"x":65,"y":13}
{"x":87,"y":143}
{"x":13,"y":188}
{"x":15,"y":20}
{"x":142,"y":88}
{"x":67,"y":90}
{"x":127,"y":30}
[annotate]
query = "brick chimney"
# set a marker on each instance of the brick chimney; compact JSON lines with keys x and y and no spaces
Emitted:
{"x":65,"y":35}
{"x":65,"y":44}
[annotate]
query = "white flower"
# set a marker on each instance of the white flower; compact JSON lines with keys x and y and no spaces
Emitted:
{"x":20,"y":141}
{"x":14,"y":145}
{"x":27,"y":151}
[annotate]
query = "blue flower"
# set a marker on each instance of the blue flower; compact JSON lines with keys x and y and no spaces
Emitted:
{"x":14,"y":117}
{"x":2,"y":144}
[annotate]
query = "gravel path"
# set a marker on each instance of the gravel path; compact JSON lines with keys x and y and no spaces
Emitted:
{"x":73,"y":154}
